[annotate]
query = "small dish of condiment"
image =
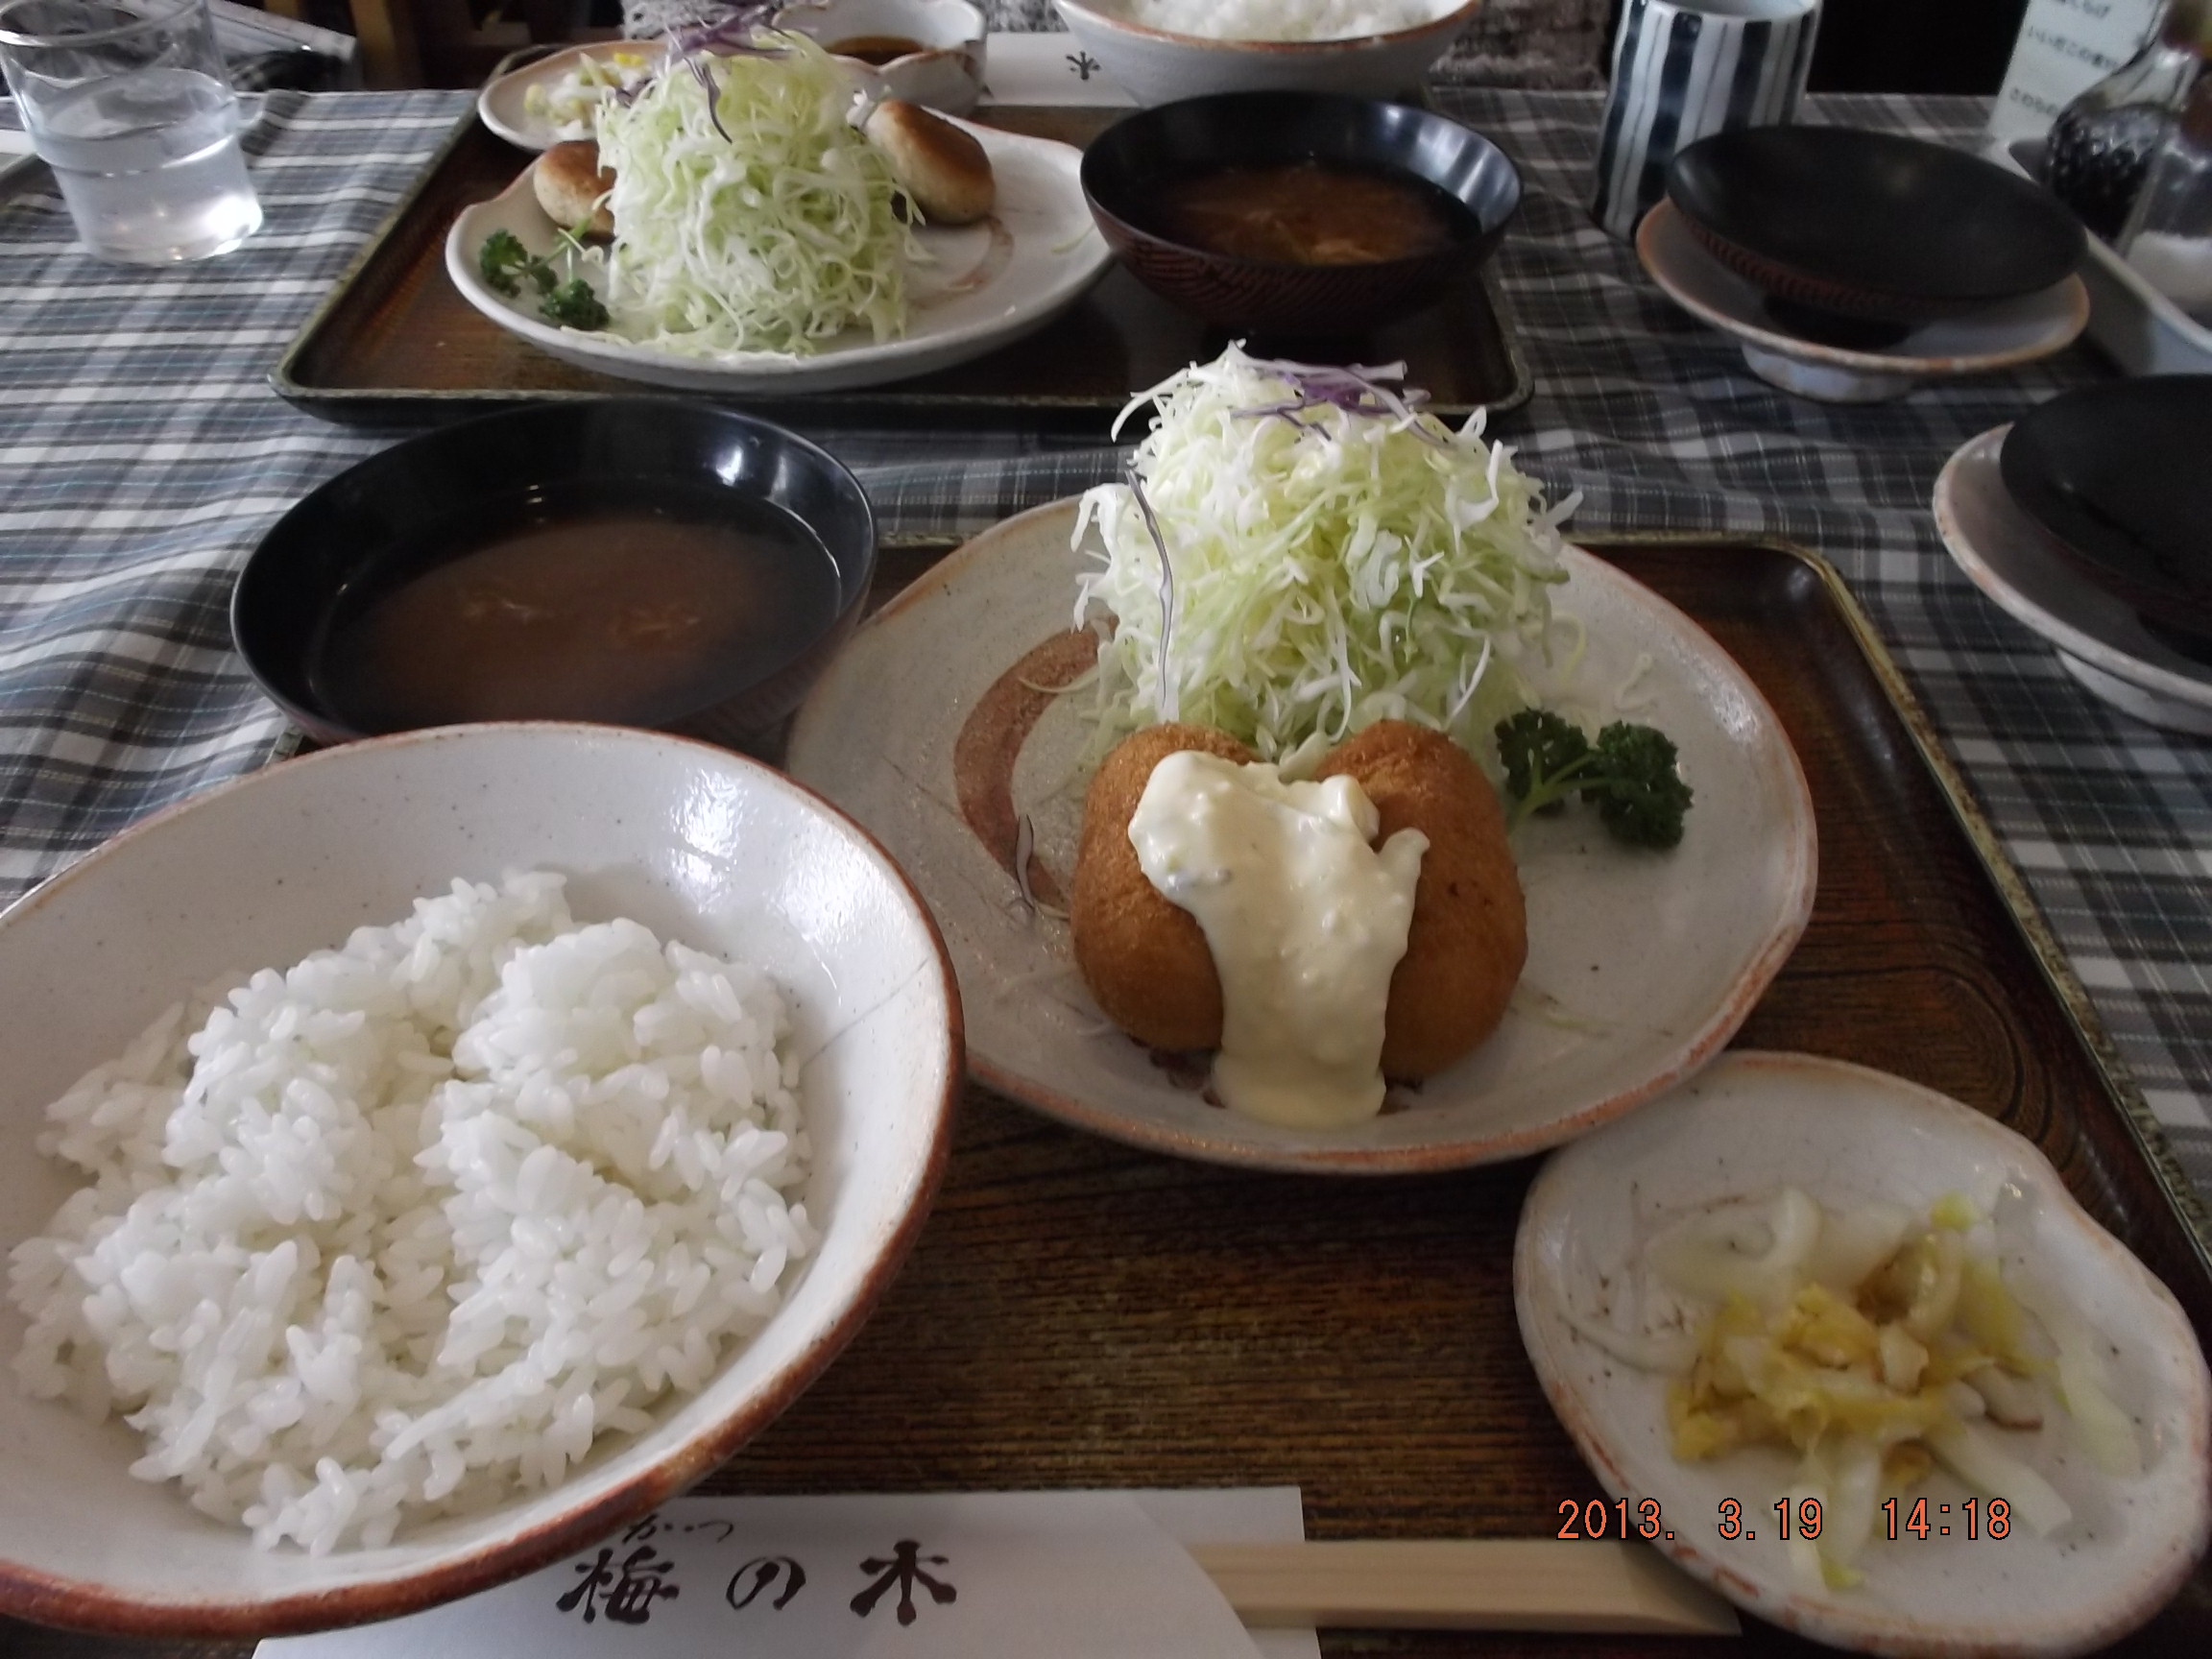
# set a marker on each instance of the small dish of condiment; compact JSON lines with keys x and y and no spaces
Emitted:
{"x":1298,"y":213}
{"x":926,"y":52}
{"x":634,"y":561}
{"x":2054,"y":1516}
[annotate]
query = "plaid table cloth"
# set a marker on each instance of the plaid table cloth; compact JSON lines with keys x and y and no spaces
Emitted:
{"x":142,"y":455}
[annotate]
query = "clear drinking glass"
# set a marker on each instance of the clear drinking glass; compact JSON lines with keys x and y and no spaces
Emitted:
{"x":129,"y":102}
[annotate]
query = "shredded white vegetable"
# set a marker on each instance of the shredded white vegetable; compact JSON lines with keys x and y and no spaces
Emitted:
{"x":2085,"y":1380}
{"x":1972,"y":1454}
{"x":1760,"y":1255}
{"x":1873,"y":1342}
{"x":1334,"y":557}
{"x":769,"y":230}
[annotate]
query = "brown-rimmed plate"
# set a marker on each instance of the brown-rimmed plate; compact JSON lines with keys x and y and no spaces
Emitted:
{"x":1849,"y":1136}
{"x":933,"y":728}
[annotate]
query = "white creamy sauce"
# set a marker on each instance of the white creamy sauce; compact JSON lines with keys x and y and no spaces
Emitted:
{"x":1306,"y":921}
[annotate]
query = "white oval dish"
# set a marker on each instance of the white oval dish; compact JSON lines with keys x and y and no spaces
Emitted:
{"x":1608,"y":1014}
{"x":987,"y":286}
{"x":697,"y":843}
{"x":946,"y":74}
{"x":2002,"y":337}
{"x":2101,"y":640}
{"x":1748,"y":1125}
{"x":503,"y":104}
{"x":1158,"y":66}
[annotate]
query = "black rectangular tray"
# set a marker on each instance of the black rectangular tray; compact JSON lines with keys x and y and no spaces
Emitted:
{"x":395,"y":340}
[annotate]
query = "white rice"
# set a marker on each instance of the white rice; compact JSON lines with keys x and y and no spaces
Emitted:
{"x":410,"y":1225}
{"x":1286,"y":19}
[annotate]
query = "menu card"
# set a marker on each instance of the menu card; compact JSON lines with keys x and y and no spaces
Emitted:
{"x":952,"y":1575}
{"x":2065,"y":47}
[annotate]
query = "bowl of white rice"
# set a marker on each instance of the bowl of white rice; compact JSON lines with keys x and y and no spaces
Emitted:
{"x":1160,"y":50}
{"x":424,"y":1156}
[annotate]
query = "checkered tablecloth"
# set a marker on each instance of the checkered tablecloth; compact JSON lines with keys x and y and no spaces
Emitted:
{"x":141,"y":455}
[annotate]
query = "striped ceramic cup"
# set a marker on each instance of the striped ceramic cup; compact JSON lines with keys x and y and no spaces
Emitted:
{"x":1686,"y":68}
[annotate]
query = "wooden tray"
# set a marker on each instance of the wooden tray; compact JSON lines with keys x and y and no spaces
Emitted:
{"x":395,"y":340}
{"x":1080,"y":1314}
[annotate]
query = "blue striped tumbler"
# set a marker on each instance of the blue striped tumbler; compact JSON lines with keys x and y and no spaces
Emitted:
{"x":1683,"y":69}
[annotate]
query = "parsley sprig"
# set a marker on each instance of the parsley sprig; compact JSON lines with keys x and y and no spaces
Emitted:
{"x":506,"y":265}
{"x":1629,"y":774}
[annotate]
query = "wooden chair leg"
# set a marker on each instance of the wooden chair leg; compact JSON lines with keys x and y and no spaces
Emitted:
{"x":391,"y":53}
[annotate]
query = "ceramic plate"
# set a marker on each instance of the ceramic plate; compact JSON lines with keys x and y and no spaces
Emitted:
{"x":926,"y":727}
{"x":500,"y":104}
{"x":986,"y":285}
{"x":2101,"y":640}
{"x":1743,"y":1128}
{"x":2001,"y":337}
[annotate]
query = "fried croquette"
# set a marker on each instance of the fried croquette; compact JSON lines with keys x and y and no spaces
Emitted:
{"x":1469,"y":938}
{"x":571,"y":186}
{"x":944,"y":169}
{"x":1144,"y":957}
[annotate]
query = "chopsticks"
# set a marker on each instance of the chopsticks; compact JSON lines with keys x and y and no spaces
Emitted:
{"x":1463,"y":1584}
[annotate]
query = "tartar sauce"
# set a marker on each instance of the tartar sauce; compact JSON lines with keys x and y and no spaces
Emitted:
{"x":1306,"y":921}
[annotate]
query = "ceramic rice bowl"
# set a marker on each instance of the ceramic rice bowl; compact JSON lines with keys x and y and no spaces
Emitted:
{"x":696,"y":843}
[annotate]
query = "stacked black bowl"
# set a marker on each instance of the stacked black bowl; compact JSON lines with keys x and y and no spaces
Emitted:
{"x":2118,"y":472}
{"x":1858,"y":237}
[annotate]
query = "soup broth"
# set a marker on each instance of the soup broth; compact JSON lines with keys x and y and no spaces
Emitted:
{"x":1312,"y":213}
{"x":637,"y":611}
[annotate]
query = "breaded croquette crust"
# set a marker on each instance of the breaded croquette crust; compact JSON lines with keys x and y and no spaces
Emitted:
{"x":1469,"y":939}
{"x":1144,"y":958}
{"x":570,"y":184}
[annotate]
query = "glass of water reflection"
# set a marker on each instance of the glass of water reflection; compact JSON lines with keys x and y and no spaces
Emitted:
{"x":129,"y":102}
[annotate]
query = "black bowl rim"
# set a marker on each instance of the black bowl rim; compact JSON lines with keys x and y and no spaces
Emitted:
{"x":314,"y":715}
{"x":1461,"y":248}
{"x":2033,"y":490}
{"x":1966,"y":164}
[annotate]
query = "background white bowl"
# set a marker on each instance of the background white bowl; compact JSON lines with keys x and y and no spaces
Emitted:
{"x":946,"y":74}
{"x":695,"y":842}
{"x":1154,"y":66}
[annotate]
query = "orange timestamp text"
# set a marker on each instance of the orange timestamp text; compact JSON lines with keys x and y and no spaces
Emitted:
{"x":1975,"y":1519}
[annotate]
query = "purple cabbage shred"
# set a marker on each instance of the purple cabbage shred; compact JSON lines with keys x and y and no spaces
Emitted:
{"x":1356,"y":389}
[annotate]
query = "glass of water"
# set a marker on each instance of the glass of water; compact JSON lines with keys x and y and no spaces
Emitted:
{"x":129,"y":102}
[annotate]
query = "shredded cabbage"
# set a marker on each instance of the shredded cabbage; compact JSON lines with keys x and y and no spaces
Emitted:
{"x":1333,"y":557}
{"x":760,"y":222}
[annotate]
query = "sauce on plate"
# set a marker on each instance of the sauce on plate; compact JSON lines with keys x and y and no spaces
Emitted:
{"x":877,"y":49}
{"x":1312,"y":213}
{"x":1306,"y":921}
{"x":635,"y":610}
